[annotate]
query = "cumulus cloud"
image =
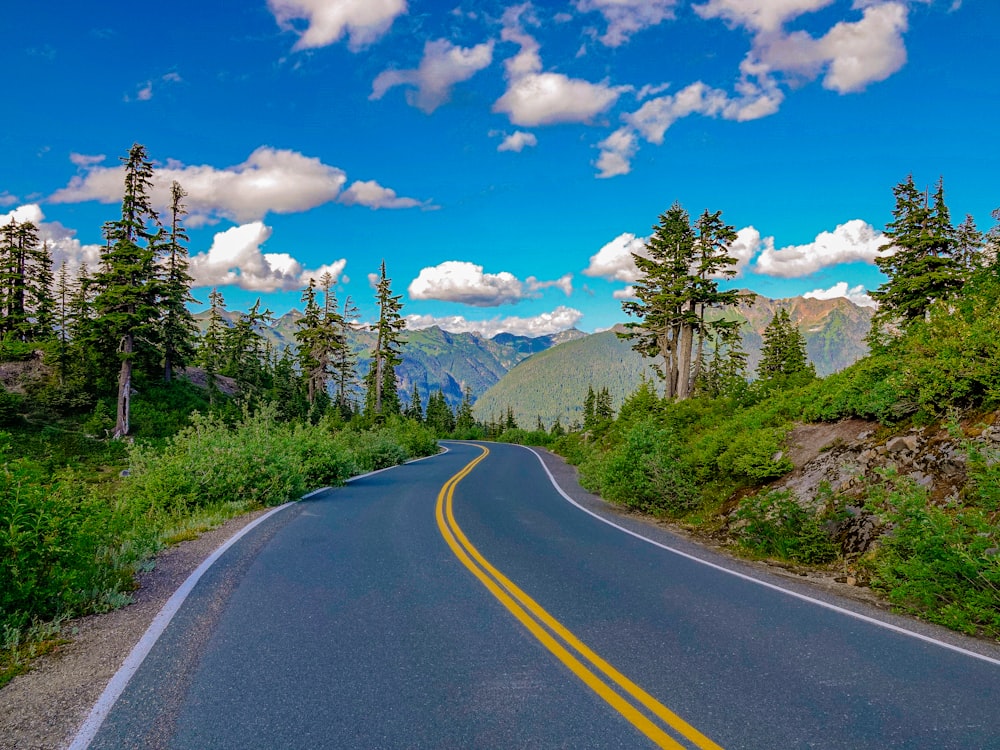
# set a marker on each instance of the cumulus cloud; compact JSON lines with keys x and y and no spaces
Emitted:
{"x":757,"y":95}
{"x":236,"y":259}
{"x":534,"y":97}
{"x":560,"y":319}
{"x":327,"y":21}
{"x":461,"y":281}
{"x":853,"y":241}
{"x":63,"y":245}
{"x":626,"y":293}
{"x":626,"y":17}
{"x":759,"y":15}
{"x":443,"y":65}
{"x":614,"y":261}
{"x":270,"y":180}
{"x":373,"y":195}
{"x":564,"y":283}
{"x":853,"y":54}
{"x":616,"y":155}
{"x":518,"y":141}
{"x":856,"y":294}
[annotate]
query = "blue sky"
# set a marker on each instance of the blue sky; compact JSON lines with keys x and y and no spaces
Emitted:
{"x":503,"y":159}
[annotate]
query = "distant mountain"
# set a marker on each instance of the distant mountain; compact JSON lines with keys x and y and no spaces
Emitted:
{"x":433,"y":359}
{"x":554,"y":383}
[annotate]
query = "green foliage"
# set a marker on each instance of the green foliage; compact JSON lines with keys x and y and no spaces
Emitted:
{"x":774,"y":523}
{"x":644,"y":472}
{"x":940,"y":563}
{"x":756,"y":455}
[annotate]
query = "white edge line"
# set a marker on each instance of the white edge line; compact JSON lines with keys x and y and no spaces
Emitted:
{"x":92,"y":724}
{"x":744,"y":576}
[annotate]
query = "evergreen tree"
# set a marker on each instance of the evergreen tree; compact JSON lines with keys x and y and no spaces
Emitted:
{"x":345,"y":361}
{"x":245,"y":355}
{"x":177,"y":327}
{"x":40,"y":290}
{"x":439,"y":415}
{"x":209,"y":352}
{"x":783,"y":352}
{"x":382,"y":396}
{"x":922,"y":267}
{"x":310,"y":339}
{"x":678,"y":285}
{"x":464,"y":418}
{"x":603,"y":410}
{"x":589,"y":415}
{"x":510,"y":423}
{"x":415,"y":410}
{"x":726,"y":372}
{"x":125,"y":307}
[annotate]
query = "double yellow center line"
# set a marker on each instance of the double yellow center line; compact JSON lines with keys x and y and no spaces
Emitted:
{"x":630,"y":700}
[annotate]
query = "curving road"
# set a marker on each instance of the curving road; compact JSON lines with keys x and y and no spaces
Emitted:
{"x":464,"y":602}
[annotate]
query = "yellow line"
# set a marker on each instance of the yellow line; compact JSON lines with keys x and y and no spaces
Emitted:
{"x":466,"y":553}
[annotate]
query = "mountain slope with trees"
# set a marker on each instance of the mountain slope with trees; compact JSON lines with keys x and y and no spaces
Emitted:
{"x":554,"y":384}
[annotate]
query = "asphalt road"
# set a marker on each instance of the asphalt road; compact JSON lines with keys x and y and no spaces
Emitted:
{"x":431,"y":607}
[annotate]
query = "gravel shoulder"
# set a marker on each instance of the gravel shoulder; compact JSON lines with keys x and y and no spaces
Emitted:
{"x":42,"y":709}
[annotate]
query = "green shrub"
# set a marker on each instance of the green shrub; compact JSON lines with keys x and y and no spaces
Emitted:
{"x":942,"y":564}
{"x":644,"y":472}
{"x":756,"y":454}
{"x":774,"y":523}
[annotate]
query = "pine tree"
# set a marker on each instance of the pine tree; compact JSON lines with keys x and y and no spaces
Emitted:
{"x":783,"y":352}
{"x":312,"y":356}
{"x":125,"y":307}
{"x":464,"y":418}
{"x":177,"y":327}
{"x":19,"y":261}
{"x":40,"y":290}
{"x":678,"y":285}
{"x":415,"y":410}
{"x":382,"y":396}
{"x":345,"y":361}
{"x":589,"y":418}
{"x":439,"y":416}
{"x":209,"y":352}
{"x":922,"y":268}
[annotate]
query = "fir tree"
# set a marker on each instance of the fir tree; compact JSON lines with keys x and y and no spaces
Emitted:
{"x":783,"y":352}
{"x":345,"y":361}
{"x":922,"y":267}
{"x":125,"y":307}
{"x":382,"y":396}
{"x":464,"y":418}
{"x":177,"y":327}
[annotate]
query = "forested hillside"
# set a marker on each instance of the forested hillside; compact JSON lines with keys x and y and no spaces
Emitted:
{"x":432,"y":359}
{"x":553,"y":384}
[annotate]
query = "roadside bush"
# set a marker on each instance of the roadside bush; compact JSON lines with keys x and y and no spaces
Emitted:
{"x":756,"y":455}
{"x":942,"y":564}
{"x":64,"y":549}
{"x":644,"y":472}
{"x":773,"y":523}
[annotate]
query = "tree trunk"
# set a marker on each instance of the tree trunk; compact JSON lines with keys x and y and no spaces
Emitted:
{"x":684,"y":361}
{"x":124,"y":388}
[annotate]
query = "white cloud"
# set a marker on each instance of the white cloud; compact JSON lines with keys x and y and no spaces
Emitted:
{"x":518,"y":141}
{"x":757,"y":95}
{"x":373,"y":195}
{"x":563,"y":283}
{"x":744,"y":247}
{"x":614,"y":261}
{"x":62,"y":242}
{"x":560,"y":319}
{"x":537,"y":98}
{"x":617,"y":151}
{"x":86,"y":162}
{"x":758,"y":15}
{"x":550,"y":98}
{"x":443,"y":65}
{"x":856,"y":294}
{"x":270,"y":180}
{"x":853,"y":54}
{"x":327,"y":21}
{"x":625,"y":17}
{"x":235,"y":258}
{"x":626,"y":293}
{"x":461,"y":281}
{"x":852,"y":241}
